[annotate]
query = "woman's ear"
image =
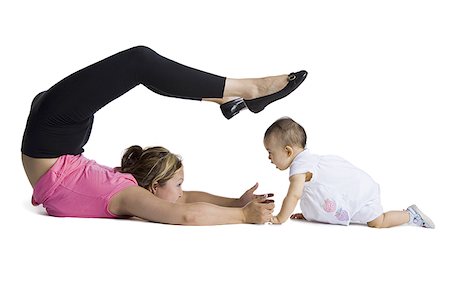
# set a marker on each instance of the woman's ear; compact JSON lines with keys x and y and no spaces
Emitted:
{"x":153,"y":187}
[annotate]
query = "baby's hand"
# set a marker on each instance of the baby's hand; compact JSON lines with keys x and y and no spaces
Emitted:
{"x":297,"y":216}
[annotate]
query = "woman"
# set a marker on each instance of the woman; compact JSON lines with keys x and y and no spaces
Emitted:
{"x":148,"y":183}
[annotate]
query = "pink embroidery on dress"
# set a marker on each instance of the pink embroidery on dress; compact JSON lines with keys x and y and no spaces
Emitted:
{"x":341,"y":215}
{"x":329,"y":206}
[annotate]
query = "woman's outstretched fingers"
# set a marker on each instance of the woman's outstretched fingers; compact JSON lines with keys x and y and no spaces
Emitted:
{"x":252,"y":189}
{"x":265,"y":196}
{"x":248,"y":196}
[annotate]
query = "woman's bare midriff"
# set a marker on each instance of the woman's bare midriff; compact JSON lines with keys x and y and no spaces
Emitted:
{"x":36,"y":168}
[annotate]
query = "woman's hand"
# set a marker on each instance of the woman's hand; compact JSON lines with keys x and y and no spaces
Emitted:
{"x":259,"y":210}
{"x":248,"y":196}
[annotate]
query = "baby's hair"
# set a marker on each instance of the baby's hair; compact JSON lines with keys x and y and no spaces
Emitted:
{"x":288,"y":132}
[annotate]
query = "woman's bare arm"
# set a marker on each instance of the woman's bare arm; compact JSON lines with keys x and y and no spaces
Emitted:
{"x":139,"y":202}
{"x":197,"y":196}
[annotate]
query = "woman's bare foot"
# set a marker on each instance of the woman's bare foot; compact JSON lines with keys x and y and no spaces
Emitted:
{"x":268,"y":85}
{"x":251,"y":88}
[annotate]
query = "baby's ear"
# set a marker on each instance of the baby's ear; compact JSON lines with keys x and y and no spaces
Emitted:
{"x":289,"y":150}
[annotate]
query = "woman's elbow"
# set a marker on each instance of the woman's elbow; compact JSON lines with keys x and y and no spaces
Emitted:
{"x":190,"y":218}
{"x":192,"y":215}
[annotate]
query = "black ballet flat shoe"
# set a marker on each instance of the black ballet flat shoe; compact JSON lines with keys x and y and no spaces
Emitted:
{"x":294,"y":80}
{"x":233,"y":107}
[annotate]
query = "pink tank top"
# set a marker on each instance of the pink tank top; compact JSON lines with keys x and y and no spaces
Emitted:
{"x":77,"y":187}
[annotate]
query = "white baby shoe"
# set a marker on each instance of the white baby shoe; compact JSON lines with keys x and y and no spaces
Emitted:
{"x":416,"y":217}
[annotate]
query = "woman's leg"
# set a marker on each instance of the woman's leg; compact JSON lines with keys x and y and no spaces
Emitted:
{"x":96,"y":85}
{"x":89,"y":89}
{"x":61,"y":119}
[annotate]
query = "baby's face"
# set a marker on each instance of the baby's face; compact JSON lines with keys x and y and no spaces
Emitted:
{"x":278,"y":155}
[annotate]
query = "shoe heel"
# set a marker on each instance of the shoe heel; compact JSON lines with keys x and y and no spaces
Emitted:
{"x":233,"y":107}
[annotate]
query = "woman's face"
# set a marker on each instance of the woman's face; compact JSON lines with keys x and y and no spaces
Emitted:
{"x":171,"y":191}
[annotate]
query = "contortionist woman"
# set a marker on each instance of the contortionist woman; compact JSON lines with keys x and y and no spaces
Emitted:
{"x":148,"y":183}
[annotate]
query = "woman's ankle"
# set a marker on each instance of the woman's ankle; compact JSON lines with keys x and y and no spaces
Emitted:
{"x":244,"y":87}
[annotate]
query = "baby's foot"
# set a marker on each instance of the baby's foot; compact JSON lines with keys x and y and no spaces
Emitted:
{"x":416,"y":217}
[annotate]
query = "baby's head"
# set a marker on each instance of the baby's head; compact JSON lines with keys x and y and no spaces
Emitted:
{"x":284,"y":139}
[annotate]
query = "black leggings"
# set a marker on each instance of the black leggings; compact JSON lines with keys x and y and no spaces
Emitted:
{"x":61,"y":118}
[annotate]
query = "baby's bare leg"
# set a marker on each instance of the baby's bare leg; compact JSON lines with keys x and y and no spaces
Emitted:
{"x":390,"y":219}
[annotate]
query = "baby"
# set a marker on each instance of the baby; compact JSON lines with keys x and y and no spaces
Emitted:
{"x":329,"y":188}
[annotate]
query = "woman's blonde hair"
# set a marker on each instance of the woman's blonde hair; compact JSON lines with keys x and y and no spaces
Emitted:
{"x":150,"y":165}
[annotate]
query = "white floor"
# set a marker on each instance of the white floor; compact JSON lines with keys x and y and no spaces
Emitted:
{"x":47,"y":252}
{"x":375,"y":94}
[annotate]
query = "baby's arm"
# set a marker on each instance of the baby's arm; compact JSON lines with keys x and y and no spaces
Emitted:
{"x":290,"y":201}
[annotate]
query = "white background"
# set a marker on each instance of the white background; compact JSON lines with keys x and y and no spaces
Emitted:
{"x":375,"y":94}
